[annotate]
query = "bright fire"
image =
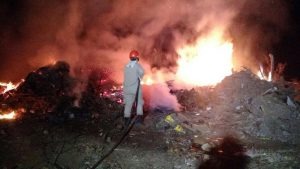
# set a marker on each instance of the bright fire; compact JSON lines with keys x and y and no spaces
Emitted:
{"x":5,"y":87}
{"x":207,"y":62}
{"x":10,"y":115}
{"x":8,"y":86}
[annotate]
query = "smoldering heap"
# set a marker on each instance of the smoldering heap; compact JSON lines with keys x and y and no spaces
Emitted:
{"x":241,"y":104}
{"x":49,"y":92}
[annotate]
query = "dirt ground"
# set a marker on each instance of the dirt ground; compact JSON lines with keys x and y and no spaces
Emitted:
{"x":79,"y":144}
{"x":40,"y":144}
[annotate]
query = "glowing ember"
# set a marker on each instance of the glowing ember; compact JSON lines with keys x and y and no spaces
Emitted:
{"x":8,"y":86}
{"x":207,"y":62}
{"x":10,"y":115}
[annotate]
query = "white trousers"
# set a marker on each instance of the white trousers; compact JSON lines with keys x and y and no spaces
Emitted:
{"x":129,"y":99}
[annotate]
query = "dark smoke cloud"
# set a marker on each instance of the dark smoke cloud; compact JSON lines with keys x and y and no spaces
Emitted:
{"x":102,"y":32}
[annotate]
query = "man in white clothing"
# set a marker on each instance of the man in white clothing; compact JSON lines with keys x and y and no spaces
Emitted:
{"x":133,"y":73}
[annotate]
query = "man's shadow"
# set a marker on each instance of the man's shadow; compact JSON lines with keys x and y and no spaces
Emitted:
{"x":230,"y":154}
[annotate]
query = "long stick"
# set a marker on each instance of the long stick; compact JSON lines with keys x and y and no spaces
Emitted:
{"x":270,"y":78}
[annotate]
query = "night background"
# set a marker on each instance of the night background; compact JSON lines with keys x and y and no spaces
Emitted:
{"x":289,"y":43}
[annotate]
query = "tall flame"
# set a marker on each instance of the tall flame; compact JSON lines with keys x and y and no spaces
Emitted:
{"x":207,"y":62}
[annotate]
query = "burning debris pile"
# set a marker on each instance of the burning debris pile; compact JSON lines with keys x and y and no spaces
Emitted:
{"x":242,"y":106}
{"x":41,"y":91}
{"x":245,"y":106}
{"x":49,"y":92}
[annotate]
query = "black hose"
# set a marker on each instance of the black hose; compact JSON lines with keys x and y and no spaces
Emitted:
{"x":116,"y":145}
{"x":124,"y":135}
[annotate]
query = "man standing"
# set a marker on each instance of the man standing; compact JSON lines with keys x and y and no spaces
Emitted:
{"x":133,"y":73}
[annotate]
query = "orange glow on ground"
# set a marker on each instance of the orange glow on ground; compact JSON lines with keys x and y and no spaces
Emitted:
{"x":11,"y":115}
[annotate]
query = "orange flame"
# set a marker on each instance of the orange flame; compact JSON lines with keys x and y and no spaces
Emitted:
{"x":8,"y":86}
{"x":207,"y":62}
{"x":11,"y":115}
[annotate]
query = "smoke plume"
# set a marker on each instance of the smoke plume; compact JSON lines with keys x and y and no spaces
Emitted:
{"x":100,"y":33}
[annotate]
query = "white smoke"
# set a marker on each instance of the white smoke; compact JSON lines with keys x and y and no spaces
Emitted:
{"x":158,"y":95}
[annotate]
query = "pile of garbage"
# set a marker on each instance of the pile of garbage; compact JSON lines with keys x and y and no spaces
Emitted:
{"x":244,"y":106}
{"x":50,"y":92}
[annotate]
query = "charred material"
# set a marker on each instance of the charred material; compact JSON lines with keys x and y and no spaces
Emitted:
{"x":195,"y":99}
{"x":230,"y":154}
{"x":49,"y":92}
{"x":45,"y":90}
{"x":99,"y":96}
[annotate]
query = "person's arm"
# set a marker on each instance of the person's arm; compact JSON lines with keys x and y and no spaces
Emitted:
{"x":140,"y":71}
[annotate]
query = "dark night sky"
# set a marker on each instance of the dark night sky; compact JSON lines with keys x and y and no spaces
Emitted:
{"x":289,"y":46}
{"x":80,"y":31}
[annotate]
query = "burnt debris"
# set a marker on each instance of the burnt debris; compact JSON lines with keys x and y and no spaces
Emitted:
{"x":48,"y":92}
